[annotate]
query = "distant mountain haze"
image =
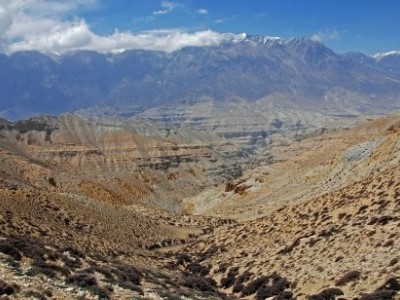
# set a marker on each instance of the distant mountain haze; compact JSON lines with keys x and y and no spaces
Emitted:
{"x":250,"y":68}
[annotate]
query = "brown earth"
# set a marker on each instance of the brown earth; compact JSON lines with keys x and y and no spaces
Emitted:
{"x":87,"y":212}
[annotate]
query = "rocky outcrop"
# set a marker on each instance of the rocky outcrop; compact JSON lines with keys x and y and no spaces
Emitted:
{"x":112,"y":162}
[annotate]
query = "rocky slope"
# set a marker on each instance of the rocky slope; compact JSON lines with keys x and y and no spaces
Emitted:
{"x":330,"y":219}
{"x":317,"y":218}
{"x":112,"y":162}
{"x":82,"y":205}
{"x":290,"y":172}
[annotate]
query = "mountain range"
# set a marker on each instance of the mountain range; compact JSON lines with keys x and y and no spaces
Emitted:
{"x":298,"y":72}
{"x":260,"y":168}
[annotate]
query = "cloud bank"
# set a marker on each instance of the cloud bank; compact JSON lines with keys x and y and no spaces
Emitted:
{"x":43,"y":25}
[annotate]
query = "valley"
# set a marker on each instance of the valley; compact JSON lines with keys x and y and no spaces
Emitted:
{"x":122,"y":209}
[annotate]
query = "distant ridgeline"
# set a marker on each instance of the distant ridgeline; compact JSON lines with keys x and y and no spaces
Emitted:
{"x":255,"y":69}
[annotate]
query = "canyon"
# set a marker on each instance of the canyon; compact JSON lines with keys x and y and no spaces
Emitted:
{"x":92,"y":209}
{"x":258,"y":168}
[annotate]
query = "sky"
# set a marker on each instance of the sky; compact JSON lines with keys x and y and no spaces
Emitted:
{"x":55,"y":26}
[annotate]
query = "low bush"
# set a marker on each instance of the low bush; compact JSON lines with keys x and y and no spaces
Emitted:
{"x":130,"y":286}
{"x":204,"y":284}
{"x":34,"y":271}
{"x":105,"y":271}
{"x":73,"y":252}
{"x":8,"y":289}
{"x":9,"y":250}
{"x":347,"y":277}
{"x":390,"y":284}
{"x":128,"y":273}
{"x":379,"y":295}
{"x":228,"y":281}
{"x":254,"y":285}
{"x":82,"y":280}
{"x":102,"y":293}
{"x":327,"y":294}
{"x":182,"y":258}
{"x":198,"y":269}
{"x":240,"y":280}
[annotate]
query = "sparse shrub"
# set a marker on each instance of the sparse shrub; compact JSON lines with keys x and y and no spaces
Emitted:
{"x":222,"y":268}
{"x":102,"y":293}
{"x":35,"y":295}
{"x":228,"y":281}
{"x":238,"y":286}
{"x":393,"y":261}
{"x":388,"y":243}
{"x":264,"y":292}
{"x":327,"y":294}
{"x":204,"y":284}
{"x":273,"y":285}
{"x":182,"y":258}
{"x":285,"y":295}
{"x":208,"y":254}
{"x":106,"y":271}
{"x":362,"y":209}
{"x":14,"y":264}
{"x":8,"y":289}
{"x":74,"y":252}
{"x":42,"y":265}
{"x":82,"y":280}
{"x":267,"y":291}
{"x":31,"y":249}
{"x":347,"y":277}
{"x":130,"y":286}
{"x":254,"y":285}
{"x":379,"y":295}
{"x":34,"y":271}
{"x":390,"y":284}
{"x":128,"y":273}
{"x":7,"y":249}
{"x":198,"y":269}
{"x":72,"y":263}
{"x":48,"y":293}
{"x":279,"y":282}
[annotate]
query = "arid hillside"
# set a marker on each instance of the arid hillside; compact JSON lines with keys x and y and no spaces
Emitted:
{"x":291,"y":172}
{"x":99,"y":211}
{"x":113,"y":163}
{"x":330,"y":207}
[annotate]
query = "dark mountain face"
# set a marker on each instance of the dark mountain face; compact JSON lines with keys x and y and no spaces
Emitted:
{"x":250,"y":68}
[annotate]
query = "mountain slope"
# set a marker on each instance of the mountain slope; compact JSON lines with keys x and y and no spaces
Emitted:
{"x":248,"y":68}
{"x":343,"y":236}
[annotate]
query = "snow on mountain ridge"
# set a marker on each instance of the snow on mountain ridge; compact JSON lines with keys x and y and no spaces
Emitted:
{"x":381,"y":55}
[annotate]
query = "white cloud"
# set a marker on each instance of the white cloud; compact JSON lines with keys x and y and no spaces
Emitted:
{"x":317,"y":37}
{"x":61,"y":38}
{"x":78,"y":36}
{"x":43,"y":25}
{"x":321,"y":36}
{"x":202,"y":11}
{"x":167,"y":7}
{"x":25,"y":20}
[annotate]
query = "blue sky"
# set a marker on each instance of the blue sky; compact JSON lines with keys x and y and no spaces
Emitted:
{"x":367,"y":26}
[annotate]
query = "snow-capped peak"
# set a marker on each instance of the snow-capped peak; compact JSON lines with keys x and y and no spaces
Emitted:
{"x":379,"y":56}
{"x":252,"y":39}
